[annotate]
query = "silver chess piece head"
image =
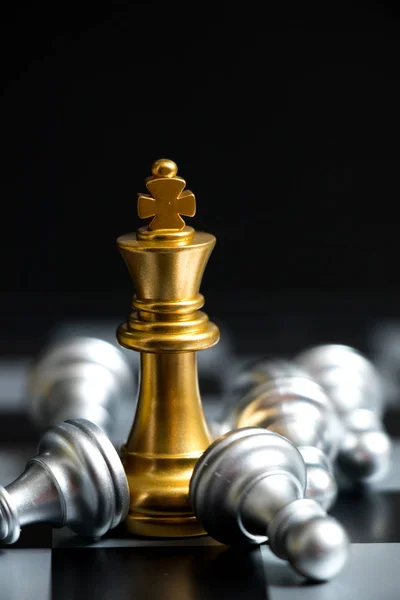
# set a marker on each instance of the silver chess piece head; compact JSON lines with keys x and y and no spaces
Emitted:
{"x":355,"y":388}
{"x":349,"y":378}
{"x":80,"y":377}
{"x":249,"y":487}
{"x":281,"y":397}
{"x":76,"y":480}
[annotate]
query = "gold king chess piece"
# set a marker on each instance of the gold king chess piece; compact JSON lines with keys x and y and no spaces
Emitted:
{"x":166,"y":261}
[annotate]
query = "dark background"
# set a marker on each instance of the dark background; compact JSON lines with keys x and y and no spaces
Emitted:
{"x":284,"y":120}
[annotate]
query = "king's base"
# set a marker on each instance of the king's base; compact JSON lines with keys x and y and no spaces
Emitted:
{"x":159,"y":495}
{"x":163,"y":527}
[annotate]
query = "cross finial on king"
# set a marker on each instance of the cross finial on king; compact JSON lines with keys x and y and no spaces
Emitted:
{"x":167,"y":199}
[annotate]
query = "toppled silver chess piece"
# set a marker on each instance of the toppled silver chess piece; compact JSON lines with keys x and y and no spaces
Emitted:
{"x":281,"y":397}
{"x":249,"y":487}
{"x":355,"y":388}
{"x":76,"y":480}
{"x":81,"y":377}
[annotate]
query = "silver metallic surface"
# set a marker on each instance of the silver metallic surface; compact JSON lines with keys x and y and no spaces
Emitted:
{"x":355,"y":388}
{"x":321,"y":480}
{"x":287,"y":401}
{"x":366,"y":449}
{"x":80,"y":377}
{"x":349,"y":378}
{"x":227,"y":470}
{"x":252,"y":373}
{"x":314,"y":543}
{"x":249,"y":486}
{"x":76,"y":479}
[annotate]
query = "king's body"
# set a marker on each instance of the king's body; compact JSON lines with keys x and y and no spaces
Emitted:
{"x":166,"y":261}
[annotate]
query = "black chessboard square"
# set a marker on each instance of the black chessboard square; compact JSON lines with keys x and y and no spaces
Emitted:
{"x":170,"y":573}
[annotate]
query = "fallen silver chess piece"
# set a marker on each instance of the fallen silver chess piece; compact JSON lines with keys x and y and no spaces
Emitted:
{"x":249,"y":487}
{"x":82,"y":378}
{"x":76,"y":480}
{"x":354,"y":386}
{"x":281,"y":397}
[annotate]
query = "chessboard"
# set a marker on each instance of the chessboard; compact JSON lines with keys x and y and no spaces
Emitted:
{"x":47,"y":563}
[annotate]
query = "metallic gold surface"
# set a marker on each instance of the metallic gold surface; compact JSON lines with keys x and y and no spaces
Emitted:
{"x":169,"y":432}
{"x":167,"y":199}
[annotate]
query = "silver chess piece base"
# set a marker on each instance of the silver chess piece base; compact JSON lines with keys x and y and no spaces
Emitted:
{"x":76,"y":480}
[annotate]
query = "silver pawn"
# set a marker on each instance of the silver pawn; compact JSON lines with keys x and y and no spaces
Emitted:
{"x":81,"y":377}
{"x":76,"y":479}
{"x":249,"y":487}
{"x":355,"y":388}
{"x":281,"y":397}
